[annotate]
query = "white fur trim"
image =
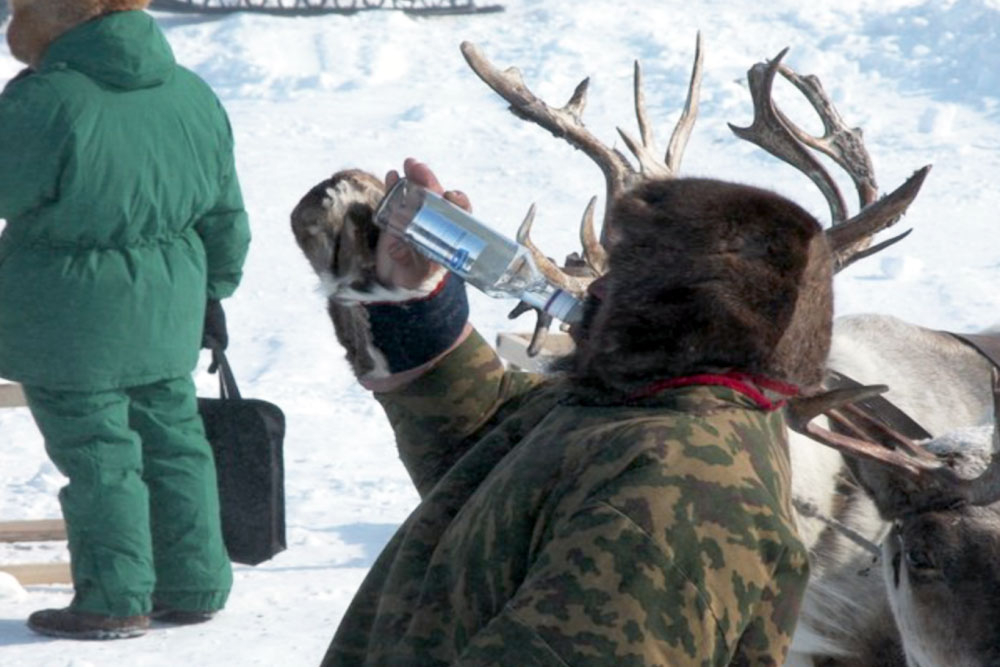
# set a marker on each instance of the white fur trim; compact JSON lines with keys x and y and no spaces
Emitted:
{"x":341,"y":290}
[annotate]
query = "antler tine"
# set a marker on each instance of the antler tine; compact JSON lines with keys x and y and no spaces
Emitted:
{"x":557,"y":276}
{"x":594,"y":253}
{"x":842,"y":261}
{"x":848,"y":239}
{"x":801,"y":411}
{"x":770,"y":131}
{"x":923,"y":467}
{"x":565,"y":123}
{"x":540,"y":334}
{"x":873,"y":429}
{"x":775,"y":133}
{"x":682,"y":131}
{"x":650,"y":165}
{"x":542,"y":325}
{"x":574,"y":284}
{"x":842,"y":144}
{"x":845,"y":146}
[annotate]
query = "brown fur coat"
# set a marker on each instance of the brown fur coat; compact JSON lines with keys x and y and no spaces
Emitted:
{"x":36,"y":23}
{"x":709,"y":276}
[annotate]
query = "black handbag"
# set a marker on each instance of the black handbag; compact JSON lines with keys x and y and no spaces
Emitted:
{"x":247,"y":435}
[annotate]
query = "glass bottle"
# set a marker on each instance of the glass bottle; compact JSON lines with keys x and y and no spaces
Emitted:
{"x":487,"y":260}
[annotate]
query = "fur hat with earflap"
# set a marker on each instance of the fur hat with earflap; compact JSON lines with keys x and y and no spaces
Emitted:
{"x":34,"y":24}
{"x":707,"y":276}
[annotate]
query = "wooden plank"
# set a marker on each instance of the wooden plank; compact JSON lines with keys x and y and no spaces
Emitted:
{"x":38,"y":530}
{"x":11,"y":395}
{"x":39,"y":573}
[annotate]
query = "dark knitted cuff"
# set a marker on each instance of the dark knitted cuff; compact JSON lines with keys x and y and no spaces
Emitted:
{"x":412,"y":333}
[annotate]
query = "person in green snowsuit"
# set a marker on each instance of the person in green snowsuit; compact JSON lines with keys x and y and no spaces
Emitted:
{"x":631,"y":509}
{"x":124,"y":218}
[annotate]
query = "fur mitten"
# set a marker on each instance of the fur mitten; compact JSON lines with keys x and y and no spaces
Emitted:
{"x":385,"y":330}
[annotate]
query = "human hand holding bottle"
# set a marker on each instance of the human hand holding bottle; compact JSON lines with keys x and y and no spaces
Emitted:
{"x":433,"y":321}
{"x":397,"y":264}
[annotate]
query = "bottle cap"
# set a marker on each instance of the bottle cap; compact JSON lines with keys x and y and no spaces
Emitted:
{"x":565,"y":307}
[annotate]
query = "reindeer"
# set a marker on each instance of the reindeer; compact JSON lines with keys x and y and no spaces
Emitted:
{"x":848,"y":618}
{"x":944,"y":380}
{"x":940,"y":503}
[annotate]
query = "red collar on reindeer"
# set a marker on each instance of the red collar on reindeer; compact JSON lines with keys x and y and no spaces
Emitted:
{"x":754,"y":387}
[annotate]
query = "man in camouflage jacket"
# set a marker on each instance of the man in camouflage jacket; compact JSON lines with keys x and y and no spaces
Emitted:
{"x":632,"y":509}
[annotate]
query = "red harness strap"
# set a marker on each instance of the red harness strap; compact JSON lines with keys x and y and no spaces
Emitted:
{"x":751,"y":386}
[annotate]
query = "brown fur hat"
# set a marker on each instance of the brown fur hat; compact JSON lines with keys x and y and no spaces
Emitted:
{"x":36,"y":23}
{"x":709,"y":276}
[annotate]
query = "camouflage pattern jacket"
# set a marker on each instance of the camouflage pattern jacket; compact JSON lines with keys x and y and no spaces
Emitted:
{"x":552,"y":532}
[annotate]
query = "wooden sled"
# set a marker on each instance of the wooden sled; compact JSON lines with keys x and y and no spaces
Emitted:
{"x":39,"y":530}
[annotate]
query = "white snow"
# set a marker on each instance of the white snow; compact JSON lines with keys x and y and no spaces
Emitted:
{"x":309,"y":96}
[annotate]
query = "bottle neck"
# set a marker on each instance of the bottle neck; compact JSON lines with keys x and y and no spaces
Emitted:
{"x":555,"y":301}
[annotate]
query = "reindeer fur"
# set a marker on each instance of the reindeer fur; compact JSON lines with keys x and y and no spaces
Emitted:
{"x":940,"y":559}
{"x":857,"y":612}
{"x":333,"y":227}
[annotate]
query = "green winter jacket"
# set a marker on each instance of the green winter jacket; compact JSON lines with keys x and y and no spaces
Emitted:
{"x":123,"y":210}
{"x":556,"y":532}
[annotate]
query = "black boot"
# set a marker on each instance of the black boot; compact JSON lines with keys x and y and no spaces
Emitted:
{"x":179,"y":616}
{"x":71,"y":624}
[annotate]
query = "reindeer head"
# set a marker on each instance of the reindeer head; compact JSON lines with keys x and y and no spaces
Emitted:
{"x":943,"y":584}
{"x":942,"y":499}
{"x":940,"y":557}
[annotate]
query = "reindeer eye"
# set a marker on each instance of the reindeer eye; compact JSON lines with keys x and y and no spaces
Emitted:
{"x":920,"y":560}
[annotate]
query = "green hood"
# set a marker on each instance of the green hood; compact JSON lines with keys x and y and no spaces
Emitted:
{"x":121,"y":49}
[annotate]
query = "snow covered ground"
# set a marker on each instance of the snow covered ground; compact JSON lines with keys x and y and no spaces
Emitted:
{"x":308,"y":96}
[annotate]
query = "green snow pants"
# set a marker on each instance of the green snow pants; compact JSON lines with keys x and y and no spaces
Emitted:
{"x":142,"y":506}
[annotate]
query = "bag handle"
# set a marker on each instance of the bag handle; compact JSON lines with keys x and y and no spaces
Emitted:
{"x":227,"y":381}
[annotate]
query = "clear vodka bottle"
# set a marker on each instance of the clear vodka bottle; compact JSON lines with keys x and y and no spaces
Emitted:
{"x":489,"y":261}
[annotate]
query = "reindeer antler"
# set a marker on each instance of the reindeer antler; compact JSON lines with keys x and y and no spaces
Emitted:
{"x":872,"y":440}
{"x":849,"y":237}
{"x":771,"y":130}
{"x":566,"y":122}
